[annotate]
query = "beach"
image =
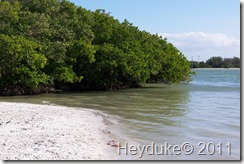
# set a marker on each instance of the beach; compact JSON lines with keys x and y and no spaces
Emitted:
{"x":50,"y":132}
{"x":204,"y":113}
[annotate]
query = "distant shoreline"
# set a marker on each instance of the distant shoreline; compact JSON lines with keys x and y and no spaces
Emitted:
{"x":217,"y":68}
{"x":47,"y":132}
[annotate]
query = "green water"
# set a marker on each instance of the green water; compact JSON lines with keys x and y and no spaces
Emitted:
{"x":205,"y":110}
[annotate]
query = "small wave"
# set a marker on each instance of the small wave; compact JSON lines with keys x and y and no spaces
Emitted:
{"x":216,"y":84}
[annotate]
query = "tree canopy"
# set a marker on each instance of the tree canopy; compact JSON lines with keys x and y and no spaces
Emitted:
{"x":53,"y":44}
{"x":218,"y":62}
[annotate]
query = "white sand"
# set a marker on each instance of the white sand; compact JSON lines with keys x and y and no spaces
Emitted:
{"x":44,"y":132}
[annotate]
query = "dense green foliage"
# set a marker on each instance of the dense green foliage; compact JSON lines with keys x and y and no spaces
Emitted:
{"x":53,"y":44}
{"x":218,"y":62}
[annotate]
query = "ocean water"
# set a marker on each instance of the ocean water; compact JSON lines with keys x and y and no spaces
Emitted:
{"x":201,"y":118}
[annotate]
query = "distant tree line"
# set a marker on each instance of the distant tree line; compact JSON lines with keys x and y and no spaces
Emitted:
{"x":218,"y":62}
{"x":48,"y":45}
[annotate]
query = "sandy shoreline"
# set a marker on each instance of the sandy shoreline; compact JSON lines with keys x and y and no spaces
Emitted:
{"x":44,"y":132}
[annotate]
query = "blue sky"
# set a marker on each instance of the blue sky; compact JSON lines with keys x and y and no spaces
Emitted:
{"x":202,"y":28}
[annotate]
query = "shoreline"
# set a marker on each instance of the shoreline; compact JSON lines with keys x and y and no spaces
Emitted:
{"x":52,"y":132}
{"x":216,"y":68}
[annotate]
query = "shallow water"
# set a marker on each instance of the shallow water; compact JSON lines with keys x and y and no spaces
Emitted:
{"x":205,"y":110}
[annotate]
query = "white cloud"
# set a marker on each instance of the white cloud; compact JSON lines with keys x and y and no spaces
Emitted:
{"x":205,"y":45}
